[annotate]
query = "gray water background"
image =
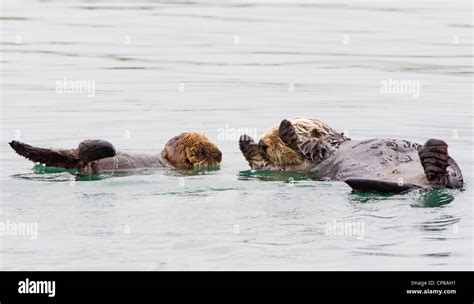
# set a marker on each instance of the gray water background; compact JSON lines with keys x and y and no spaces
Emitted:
{"x":161,"y":68}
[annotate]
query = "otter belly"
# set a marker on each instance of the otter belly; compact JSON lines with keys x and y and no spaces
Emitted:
{"x":124,"y":162}
{"x":377,"y":159}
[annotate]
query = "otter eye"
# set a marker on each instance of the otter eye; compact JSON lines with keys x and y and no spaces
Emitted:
{"x":201,"y":154}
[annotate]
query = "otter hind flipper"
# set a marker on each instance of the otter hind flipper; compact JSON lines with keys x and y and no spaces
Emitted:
{"x":95,"y":149}
{"x":370,"y":185}
{"x":439,"y":167}
{"x":50,"y":157}
{"x":88,"y":150}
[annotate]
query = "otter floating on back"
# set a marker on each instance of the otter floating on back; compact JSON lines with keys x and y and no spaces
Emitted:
{"x":187,"y":150}
{"x":313,"y":148}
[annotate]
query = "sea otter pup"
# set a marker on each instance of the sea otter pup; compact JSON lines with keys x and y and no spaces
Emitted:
{"x":187,"y":150}
{"x":313,"y":148}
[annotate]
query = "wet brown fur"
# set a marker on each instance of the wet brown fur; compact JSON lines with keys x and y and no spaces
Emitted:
{"x":191,"y":149}
{"x":278,"y":153}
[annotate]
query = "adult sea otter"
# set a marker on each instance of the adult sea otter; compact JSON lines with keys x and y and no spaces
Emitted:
{"x":187,"y":150}
{"x":313,"y":148}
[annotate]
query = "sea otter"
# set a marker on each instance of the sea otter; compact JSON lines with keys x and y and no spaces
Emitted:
{"x":187,"y":150}
{"x":311,"y":147}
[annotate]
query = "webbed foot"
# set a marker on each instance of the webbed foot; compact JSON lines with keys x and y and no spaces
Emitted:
{"x":94,"y":149}
{"x":60,"y":158}
{"x":439,"y":167}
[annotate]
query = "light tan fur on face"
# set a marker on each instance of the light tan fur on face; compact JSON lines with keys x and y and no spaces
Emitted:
{"x":191,"y":149}
{"x":283,"y":156}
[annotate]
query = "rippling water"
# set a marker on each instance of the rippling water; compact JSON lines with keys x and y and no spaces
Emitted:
{"x":163,"y":68}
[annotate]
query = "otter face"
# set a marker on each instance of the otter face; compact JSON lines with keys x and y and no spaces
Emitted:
{"x":191,"y":150}
{"x":272,"y":153}
{"x":277,"y":152}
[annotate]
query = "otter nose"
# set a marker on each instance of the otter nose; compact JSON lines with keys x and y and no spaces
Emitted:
{"x":219,"y":156}
{"x":262,"y":145}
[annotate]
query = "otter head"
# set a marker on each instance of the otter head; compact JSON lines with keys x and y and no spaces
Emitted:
{"x":254,"y":154}
{"x":191,"y":150}
{"x":272,"y":153}
{"x":269,"y":153}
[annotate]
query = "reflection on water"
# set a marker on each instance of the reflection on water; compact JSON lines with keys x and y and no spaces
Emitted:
{"x":40,"y":169}
{"x":194,"y":171}
{"x":365,"y":197}
{"x":440,"y":224}
{"x":269,"y":175}
{"x":163,"y":68}
{"x":437,"y":198}
{"x":421,"y":198}
{"x":51,"y":177}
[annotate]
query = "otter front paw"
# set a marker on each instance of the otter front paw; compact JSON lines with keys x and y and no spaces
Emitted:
{"x":288,"y":135}
{"x":249,"y":149}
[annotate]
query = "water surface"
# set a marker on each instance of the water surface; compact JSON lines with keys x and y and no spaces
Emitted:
{"x":161,"y":68}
